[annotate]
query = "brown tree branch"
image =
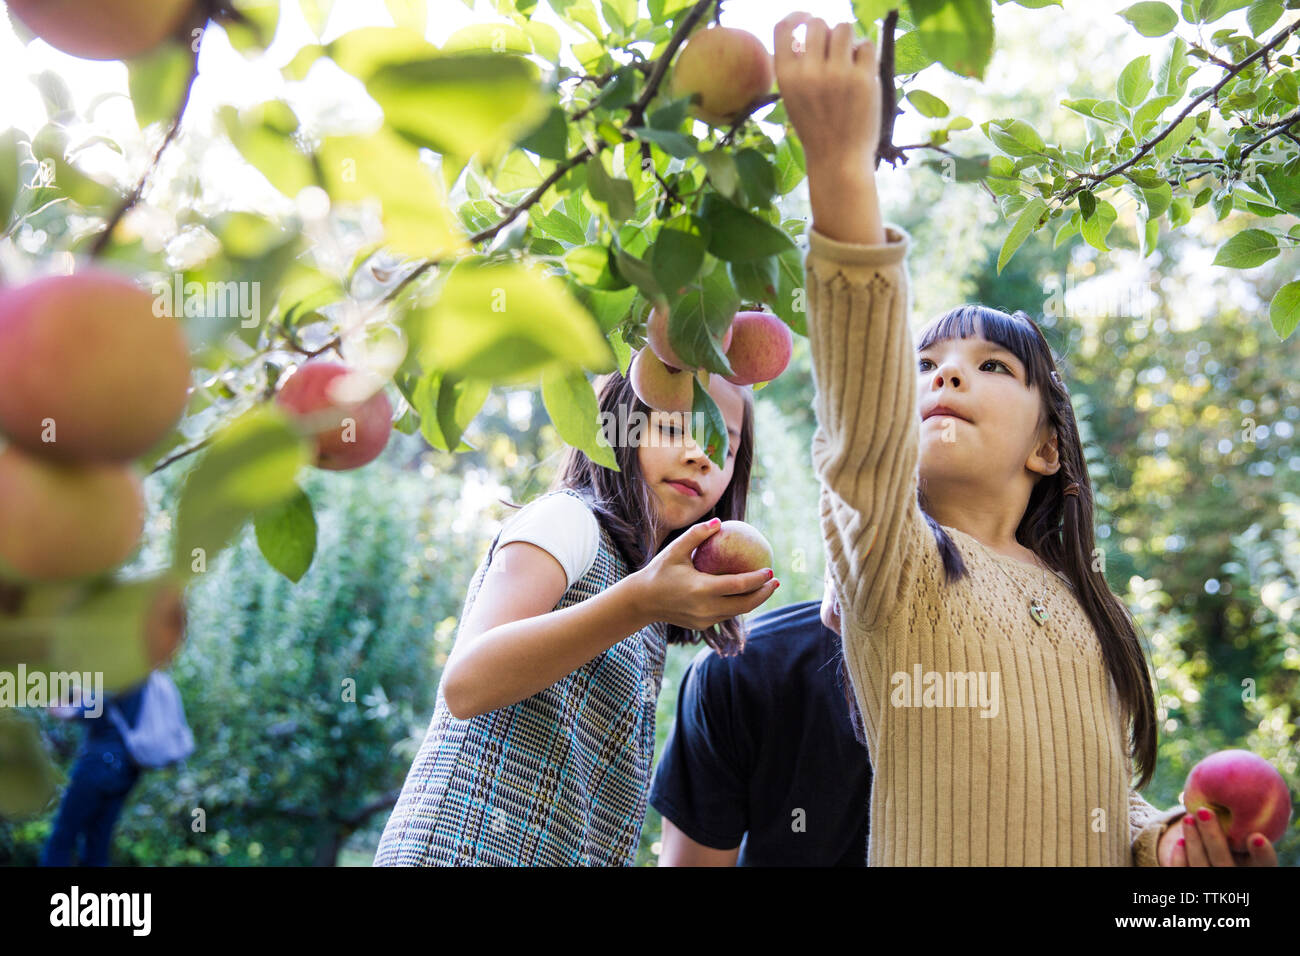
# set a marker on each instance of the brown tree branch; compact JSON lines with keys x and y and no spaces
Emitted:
{"x":1146,"y":147}
{"x":105,"y":237}
{"x":888,"y":95}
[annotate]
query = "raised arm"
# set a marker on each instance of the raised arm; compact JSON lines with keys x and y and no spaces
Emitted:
{"x":865,"y":448}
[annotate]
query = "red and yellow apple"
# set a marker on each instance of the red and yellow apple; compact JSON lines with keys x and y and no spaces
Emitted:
{"x":728,"y":68}
{"x":1245,"y":792}
{"x":89,"y":371}
{"x":659,"y":386}
{"x":761,"y":345}
{"x":62,"y":521}
{"x":735,"y":548}
{"x":345,"y":410}
{"x":656,"y":328}
{"x":102,"y":29}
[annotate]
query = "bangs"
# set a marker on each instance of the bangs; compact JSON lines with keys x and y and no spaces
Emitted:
{"x":1015,"y":333}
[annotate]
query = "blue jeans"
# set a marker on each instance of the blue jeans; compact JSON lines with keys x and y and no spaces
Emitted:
{"x":97,"y":789}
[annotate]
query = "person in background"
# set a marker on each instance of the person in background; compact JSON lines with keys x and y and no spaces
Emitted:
{"x":101,"y":779}
{"x":766,"y":764}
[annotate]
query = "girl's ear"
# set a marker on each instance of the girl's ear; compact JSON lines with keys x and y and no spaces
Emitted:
{"x":1046,"y":459}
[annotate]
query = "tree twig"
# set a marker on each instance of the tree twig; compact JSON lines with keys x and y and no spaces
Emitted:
{"x":105,"y":237}
{"x":1146,"y":147}
{"x":888,"y":95}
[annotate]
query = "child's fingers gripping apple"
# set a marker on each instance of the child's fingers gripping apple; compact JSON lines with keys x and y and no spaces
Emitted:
{"x":676,"y":592}
{"x":831,"y":89}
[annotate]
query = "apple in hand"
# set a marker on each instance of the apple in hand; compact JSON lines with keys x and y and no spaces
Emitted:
{"x":728,"y":68}
{"x":735,"y":548}
{"x":761,"y":345}
{"x":350,"y":417}
{"x":1245,"y":792}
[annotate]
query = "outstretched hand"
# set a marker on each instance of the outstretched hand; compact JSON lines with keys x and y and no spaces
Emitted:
{"x":831,"y":89}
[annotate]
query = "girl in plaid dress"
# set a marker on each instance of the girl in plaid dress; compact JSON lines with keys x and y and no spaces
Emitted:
{"x":540,"y":747}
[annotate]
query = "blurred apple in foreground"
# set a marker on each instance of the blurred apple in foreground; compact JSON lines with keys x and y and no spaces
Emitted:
{"x":1246,"y":793}
{"x":66,"y":521}
{"x":89,"y":371}
{"x":736,"y":547}
{"x":102,"y":29}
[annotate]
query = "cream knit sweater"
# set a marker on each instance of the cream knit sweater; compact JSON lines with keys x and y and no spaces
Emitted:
{"x":1011,"y":751}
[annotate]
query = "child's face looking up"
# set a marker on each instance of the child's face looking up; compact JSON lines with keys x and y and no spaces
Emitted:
{"x":995,"y":438}
{"x":671,"y":461}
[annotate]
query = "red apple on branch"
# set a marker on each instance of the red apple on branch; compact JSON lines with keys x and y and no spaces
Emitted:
{"x":346,"y":410}
{"x":761,"y":345}
{"x":659,"y":386}
{"x":1245,"y":792}
{"x":728,"y":68}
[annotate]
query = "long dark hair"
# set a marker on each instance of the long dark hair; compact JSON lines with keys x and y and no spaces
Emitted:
{"x":1055,"y":526}
{"x":625,"y":505}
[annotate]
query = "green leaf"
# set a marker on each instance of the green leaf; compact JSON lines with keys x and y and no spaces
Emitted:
{"x":1176,"y":140}
{"x":723,"y":171}
{"x":1247,"y":249}
{"x":461,"y":104}
{"x":909,"y":54}
{"x":790,"y":167}
{"x":757,"y":177}
{"x":1262,"y":15}
{"x":671,"y":142}
{"x":571,"y":403}
{"x":10,"y":177}
{"x":957,"y":33}
{"x":1070,"y":229}
{"x":157,"y":82}
{"x":1087,"y":203}
{"x":1015,"y":137}
{"x":1284,"y":310}
{"x":550,"y":139}
{"x":261,"y":19}
{"x":1284,"y":184}
{"x":927,"y":104}
{"x":590,"y":265}
{"x":1095,"y":230}
{"x":556,"y":224}
{"x":380,"y":166}
{"x":286,"y":535}
{"x":436,"y":398}
{"x":1135,"y":82}
{"x":678,"y":252}
{"x":251,"y":464}
{"x":755,"y":280}
{"x":1158,"y":200}
{"x":1150,"y":111}
{"x":260,"y":139}
{"x":699,"y":317}
{"x":1169,"y":77}
{"x":617,"y":195}
{"x":709,"y":427}
{"x":1031,"y":217}
{"x":504,"y":323}
{"x":736,"y":235}
{"x":1150,"y":18}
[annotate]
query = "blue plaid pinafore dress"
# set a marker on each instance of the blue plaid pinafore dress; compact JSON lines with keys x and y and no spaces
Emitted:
{"x":558,"y":779}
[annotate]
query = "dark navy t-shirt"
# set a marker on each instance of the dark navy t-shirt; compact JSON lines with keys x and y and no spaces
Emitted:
{"x":762,"y":753}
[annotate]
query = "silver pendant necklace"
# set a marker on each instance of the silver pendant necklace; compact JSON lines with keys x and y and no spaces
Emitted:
{"x":1037,"y":606}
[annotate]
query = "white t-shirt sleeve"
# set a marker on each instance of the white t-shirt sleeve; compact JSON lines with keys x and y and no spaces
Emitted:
{"x":560,"y":525}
